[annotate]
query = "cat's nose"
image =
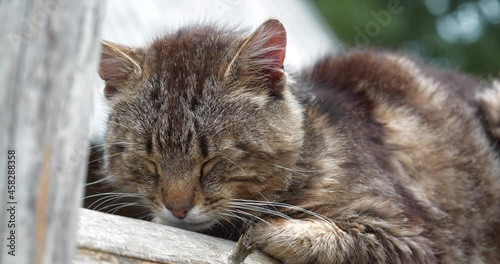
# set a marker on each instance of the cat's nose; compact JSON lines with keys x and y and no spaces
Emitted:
{"x":180,"y":212}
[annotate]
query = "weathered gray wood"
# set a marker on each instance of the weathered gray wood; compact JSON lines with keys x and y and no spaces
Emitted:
{"x":47,"y":67}
{"x":104,"y":238}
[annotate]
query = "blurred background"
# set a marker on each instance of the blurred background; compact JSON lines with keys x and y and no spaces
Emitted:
{"x":457,"y":34}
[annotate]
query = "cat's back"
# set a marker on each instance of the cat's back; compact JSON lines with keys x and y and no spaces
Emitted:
{"x":424,"y":124}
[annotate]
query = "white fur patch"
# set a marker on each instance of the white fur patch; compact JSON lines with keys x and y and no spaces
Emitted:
{"x":489,"y":101}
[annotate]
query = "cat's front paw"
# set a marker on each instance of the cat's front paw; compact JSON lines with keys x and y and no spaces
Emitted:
{"x":244,"y":247}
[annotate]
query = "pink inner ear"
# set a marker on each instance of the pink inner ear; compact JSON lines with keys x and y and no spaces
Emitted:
{"x":109,"y":91}
{"x":274,"y":47}
{"x":277,"y":57}
{"x":113,"y":68}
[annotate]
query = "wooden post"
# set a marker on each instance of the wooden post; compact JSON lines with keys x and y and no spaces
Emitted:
{"x":47,"y":70}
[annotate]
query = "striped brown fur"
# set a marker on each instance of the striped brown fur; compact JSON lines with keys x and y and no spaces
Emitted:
{"x":368,"y":157}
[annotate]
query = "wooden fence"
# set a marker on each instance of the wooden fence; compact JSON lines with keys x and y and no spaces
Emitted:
{"x":48,"y":62}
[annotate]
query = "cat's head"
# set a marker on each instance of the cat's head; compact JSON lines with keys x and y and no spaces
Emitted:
{"x":200,"y":118}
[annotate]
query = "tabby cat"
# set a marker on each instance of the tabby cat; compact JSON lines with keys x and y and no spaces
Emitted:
{"x":368,"y":157}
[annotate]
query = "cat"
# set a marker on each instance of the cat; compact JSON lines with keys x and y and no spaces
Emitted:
{"x":365,"y":157}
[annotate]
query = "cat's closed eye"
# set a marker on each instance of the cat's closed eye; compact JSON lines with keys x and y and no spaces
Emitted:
{"x":152,"y":168}
{"x":208,"y":166}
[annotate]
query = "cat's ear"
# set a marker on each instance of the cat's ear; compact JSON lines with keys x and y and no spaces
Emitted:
{"x":262,"y":53}
{"x":118,"y":65}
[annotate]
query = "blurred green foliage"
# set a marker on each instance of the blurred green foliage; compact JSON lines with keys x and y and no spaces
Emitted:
{"x":458,"y":34}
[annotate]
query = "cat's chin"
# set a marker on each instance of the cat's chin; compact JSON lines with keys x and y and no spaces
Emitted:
{"x":191,"y":226}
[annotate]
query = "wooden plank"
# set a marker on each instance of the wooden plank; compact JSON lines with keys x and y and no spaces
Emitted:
{"x":105,"y":238}
{"x":88,"y":256}
{"x":47,"y":68}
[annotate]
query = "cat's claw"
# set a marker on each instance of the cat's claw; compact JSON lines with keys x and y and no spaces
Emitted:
{"x":243,"y":248}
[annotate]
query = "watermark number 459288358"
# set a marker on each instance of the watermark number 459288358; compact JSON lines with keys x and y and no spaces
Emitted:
{"x":11,"y":202}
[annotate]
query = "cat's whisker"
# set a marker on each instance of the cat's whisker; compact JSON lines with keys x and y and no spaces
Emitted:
{"x":110,"y":144}
{"x":95,"y":182}
{"x":289,"y":169}
{"x":104,"y":199}
{"x":300,"y":209}
{"x":114,"y":205}
{"x":284,"y":205}
{"x":145,"y":215}
{"x":253,"y":216}
{"x":123,"y":205}
{"x":234,"y":163}
{"x":113,"y":208}
{"x":295,"y":169}
{"x":230,"y":214}
{"x":268,"y":224}
{"x":107,"y":200}
{"x":223,"y":226}
{"x":109,"y":197}
{"x":264,"y":197}
{"x":111,"y":193}
{"x":118,"y":204}
{"x":108,"y":156}
{"x":261,"y":210}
